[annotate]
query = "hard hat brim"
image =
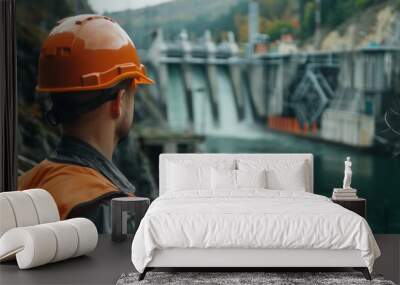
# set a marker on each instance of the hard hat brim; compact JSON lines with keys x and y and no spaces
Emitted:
{"x":143,"y":79}
{"x":138,"y":77}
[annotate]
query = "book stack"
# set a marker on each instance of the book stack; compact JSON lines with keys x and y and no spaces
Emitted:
{"x":344,"y":194}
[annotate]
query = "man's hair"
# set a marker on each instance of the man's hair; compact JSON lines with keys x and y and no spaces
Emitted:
{"x":68,"y":107}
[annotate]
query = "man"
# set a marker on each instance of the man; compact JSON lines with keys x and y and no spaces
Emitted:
{"x":90,"y":68}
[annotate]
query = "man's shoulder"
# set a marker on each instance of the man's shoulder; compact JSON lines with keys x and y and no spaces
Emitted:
{"x":48,"y":166}
{"x":53,"y":172}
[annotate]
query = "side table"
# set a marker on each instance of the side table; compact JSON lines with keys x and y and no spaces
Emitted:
{"x":121,"y":207}
{"x":358,"y":206}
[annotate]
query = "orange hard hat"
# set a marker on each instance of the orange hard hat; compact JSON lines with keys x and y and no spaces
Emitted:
{"x":88,"y":52}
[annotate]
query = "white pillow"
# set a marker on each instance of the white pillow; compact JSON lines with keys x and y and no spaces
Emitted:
{"x":281,"y":174}
{"x":188,"y":177}
{"x":186,"y":174}
{"x":290,"y":179}
{"x":227,"y":179}
{"x":251,"y":178}
{"x":223,"y":179}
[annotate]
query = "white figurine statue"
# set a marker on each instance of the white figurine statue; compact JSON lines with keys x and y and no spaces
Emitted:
{"x":347,"y":174}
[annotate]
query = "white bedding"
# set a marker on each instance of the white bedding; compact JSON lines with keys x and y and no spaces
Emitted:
{"x":252,"y":218}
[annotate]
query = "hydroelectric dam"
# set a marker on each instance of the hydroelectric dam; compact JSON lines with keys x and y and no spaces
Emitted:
{"x":331,"y":104}
{"x":333,"y":96}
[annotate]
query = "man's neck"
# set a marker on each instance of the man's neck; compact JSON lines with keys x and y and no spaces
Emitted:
{"x":103,"y":143}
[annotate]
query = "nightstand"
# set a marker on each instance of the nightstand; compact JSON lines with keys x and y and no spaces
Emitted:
{"x":358,"y":206}
{"x":123,"y":207}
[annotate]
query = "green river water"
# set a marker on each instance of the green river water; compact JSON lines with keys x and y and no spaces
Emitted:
{"x":376,"y":176}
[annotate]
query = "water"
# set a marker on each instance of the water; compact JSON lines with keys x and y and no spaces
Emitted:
{"x":375,"y":175}
{"x":176,"y":100}
{"x":228,"y":122}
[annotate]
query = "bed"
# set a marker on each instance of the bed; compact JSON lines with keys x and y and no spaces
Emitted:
{"x":246,"y":211}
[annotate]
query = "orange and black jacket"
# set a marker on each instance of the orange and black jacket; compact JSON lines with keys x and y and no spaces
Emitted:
{"x":81,"y":180}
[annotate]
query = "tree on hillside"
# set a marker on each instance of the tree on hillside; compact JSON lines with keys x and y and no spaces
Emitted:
{"x":333,"y":13}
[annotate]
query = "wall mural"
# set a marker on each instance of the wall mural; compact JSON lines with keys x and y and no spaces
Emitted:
{"x":221,"y":87}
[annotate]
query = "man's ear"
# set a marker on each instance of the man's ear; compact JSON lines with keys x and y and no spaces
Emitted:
{"x":116,"y":104}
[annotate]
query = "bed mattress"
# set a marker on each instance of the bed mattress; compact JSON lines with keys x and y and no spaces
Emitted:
{"x":251,"y":219}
